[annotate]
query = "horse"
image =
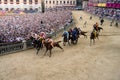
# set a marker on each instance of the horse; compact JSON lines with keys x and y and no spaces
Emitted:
{"x":83,"y":33}
{"x":93,"y":37}
{"x":49,"y":47}
{"x":37,"y":44}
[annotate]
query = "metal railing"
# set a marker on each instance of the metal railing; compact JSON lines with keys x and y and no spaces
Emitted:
{"x":11,"y":48}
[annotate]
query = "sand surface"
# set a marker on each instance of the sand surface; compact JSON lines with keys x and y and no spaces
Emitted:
{"x":78,"y":62}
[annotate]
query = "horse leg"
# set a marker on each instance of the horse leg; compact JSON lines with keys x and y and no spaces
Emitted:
{"x":63,"y":43}
{"x":50,"y":52}
{"x":97,"y":36}
{"x":60,"y":47}
{"x":37,"y":51}
{"x":68,"y":42}
{"x":93,"y":41}
{"x":45,"y":51}
{"x":86,"y":36}
{"x":90,"y":41}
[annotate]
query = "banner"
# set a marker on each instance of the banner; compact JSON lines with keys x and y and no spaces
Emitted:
{"x":113,"y":5}
{"x":99,"y":5}
{"x":103,"y":5}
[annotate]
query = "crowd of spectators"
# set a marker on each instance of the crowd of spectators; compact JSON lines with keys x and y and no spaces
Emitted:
{"x":14,"y":28}
{"x":104,"y":1}
{"x":110,"y":13}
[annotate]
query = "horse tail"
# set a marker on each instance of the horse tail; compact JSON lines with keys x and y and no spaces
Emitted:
{"x":100,"y":28}
{"x":85,"y":32}
{"x":59,"y":41}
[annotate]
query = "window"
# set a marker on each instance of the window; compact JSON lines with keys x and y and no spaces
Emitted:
{"x":74,"y":2}
{"x":53,"y":2}
{"x":24,"y":1}
{"x":60,"y":2}
{"x":25,"y":9}
{"x":36,"y":1}
{"x":49,"y":2}
{"x":0,"y":1}
{"x":17,"y":1}
{"x":67,"y":2}
{"x":30,"y":1}
{"x":36,"y":9}
{"x":71,"y":2}
{"x":5,"y":1}
{"x":11,"y":1}
{"x":12,"y":9}
{"x":46,"y":2}
{"x":64,"y":2}
{"x":6,"y":9}
{"x":57,"y":3}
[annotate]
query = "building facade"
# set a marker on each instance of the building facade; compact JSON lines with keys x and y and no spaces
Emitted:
{"x":33,"y":4}
{"x":20,"y":4}
{"x":55,"y":3}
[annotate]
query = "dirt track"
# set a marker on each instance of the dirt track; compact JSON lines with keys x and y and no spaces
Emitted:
{"x":78,"y":62}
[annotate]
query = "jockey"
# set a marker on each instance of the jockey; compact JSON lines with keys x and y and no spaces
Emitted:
{"x":66,"y":34}
{"x":74,"y":34}
{"x":50,"y":40}
{"x":43,"y":35}
{"x":96,"y":25}
{"x":77,"y":31}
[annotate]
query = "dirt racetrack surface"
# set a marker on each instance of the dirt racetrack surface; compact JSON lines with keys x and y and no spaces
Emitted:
{"x":78,"y":62}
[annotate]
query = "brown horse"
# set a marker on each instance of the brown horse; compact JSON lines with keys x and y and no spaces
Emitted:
{"x":93,"y":37}
{"x":49,"y":47}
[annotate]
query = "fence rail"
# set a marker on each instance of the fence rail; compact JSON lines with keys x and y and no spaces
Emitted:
{"x":15,"y":47}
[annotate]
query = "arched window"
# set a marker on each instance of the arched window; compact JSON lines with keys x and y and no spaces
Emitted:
{"x":67,"y":2}
{"x":36,"y":1}
{"x":36,"y":9}
{"x":25,"y":9}
{"x":5,"y":1}
{"x":6,"y":9}
{"x":70,"y":2}
{"x":64,"y":2}
{"x":53,"y":2}
{"x":60,"y":2}
{"x":11,"y":1}
{"x":30,"y":1}
{"x":57,"y":2}
{"x":17,"y":1}
{"x":49,"y":2}
{"x":12,"y":9}
{"x":74,"y":2}
{"x":25,"y":1}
